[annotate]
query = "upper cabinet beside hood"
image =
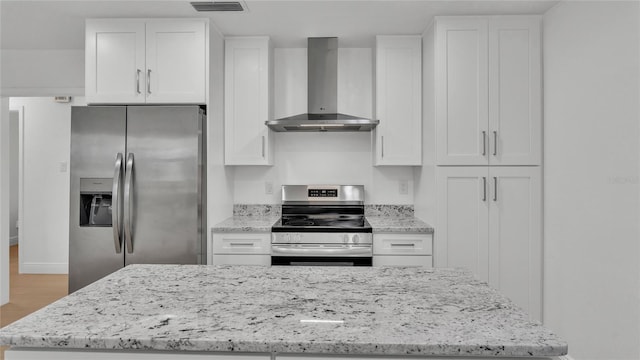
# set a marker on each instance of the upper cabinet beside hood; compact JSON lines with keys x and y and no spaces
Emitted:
{"x":247,"y":103}
{"x":398,"y":87}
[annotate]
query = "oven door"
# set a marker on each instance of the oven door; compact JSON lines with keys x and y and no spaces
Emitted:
{"x":321,"y":254}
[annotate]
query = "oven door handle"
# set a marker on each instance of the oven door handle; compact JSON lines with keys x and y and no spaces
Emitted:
{"x":338,"y":250}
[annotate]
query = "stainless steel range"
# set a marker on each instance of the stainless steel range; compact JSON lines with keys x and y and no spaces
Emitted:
{"x":322,"y":225}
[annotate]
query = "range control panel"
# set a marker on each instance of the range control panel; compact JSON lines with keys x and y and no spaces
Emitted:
{"x":324,"y":193}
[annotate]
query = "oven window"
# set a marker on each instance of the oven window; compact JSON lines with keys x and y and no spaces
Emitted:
{"x":320,"y":261}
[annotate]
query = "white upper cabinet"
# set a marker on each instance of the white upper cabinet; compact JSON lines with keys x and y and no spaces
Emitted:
{"x":176,"y":69}
{"x":515,"y":91}
{"x":247,"y":101}
{"x":488,"y":90}
{"x":398,"y":88}
{"x":134,"y":61}
{"x":461,"y":91}
{"x":115,"y":61}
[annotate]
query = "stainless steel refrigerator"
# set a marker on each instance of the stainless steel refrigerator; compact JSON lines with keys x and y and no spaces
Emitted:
{"x":138,"y":188}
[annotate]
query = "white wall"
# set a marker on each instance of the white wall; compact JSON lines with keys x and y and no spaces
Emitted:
{"x":425,"y":182}
{"x":591,"y":180}
{"x":42,"y":72}
{"x":4,"y":197}
{"x":13,"y":176}
{"x":323,"y":158}
{"x":219,"y":177}
{"x":44,"y":234}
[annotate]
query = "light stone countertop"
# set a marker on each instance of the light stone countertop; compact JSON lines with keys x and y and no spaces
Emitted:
{"x":407,"y":224}
{"x":379,"y":224}
{"x":385,"y":311}
{"x":246,"y":224}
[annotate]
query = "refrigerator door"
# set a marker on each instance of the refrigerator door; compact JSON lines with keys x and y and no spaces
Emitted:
{"x":97,"y":137}
{"x":162,"y":189}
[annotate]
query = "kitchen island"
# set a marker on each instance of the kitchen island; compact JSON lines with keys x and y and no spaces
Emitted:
{"x":190,"y":311}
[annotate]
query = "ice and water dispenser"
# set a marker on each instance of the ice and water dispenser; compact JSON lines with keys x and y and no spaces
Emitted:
{"x":95,"y":201}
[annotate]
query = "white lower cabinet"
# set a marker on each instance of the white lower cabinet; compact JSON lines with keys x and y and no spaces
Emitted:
{"x":403,"y":250}
{"x":241,"y":249}
{"x":489,"y":221}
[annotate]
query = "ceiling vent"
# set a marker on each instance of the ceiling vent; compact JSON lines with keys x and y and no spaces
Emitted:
{"x":218,"y":6}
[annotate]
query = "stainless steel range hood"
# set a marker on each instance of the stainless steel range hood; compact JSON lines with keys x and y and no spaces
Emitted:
{"x":322,"y":54}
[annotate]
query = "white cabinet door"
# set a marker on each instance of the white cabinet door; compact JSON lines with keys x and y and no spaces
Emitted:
{"x":398,"y":137}
{"x":489,"y":221}
{"x":175,"y":66}
{"x":461,"y":91}
{"x":462,"y":234}
{"x":515,"y":239}
{"x":488,"y":90}
{"x":515,"y":93}
{"x":247,"y":88}
{"x":115,"y":61}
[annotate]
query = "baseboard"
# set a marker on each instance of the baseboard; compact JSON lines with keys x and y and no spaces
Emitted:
{"x":44,"y":268}
{"x":13,"y":240}
{"x":566,"y":357}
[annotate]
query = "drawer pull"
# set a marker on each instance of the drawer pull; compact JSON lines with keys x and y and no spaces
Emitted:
{"x":403,"y":245}
{"x":241,"y":244}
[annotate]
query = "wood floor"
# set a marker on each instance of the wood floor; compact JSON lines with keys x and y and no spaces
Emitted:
{"x":29,"y":292}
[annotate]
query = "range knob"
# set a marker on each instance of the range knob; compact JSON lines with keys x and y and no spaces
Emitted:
{"x":356,"y":239}
{"x":346,"y":238}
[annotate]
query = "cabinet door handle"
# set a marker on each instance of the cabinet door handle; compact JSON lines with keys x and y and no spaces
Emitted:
{"x":382,"y":146}
{"x":263,"y":146}
{"x":484,"y":143}
{"x":138,"y":81}
{"x":495,"y":143}
{"x":495,"y":188}
{"x":484,"y":188}
{"x":148,"y":81}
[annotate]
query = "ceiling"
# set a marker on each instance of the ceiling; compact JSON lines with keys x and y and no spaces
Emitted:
{"x":49,"y":24}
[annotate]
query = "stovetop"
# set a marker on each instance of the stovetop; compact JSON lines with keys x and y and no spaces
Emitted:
{"x":322,"y":208}
{"x":334,"y":226}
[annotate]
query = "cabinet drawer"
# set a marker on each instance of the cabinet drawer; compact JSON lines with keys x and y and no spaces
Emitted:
{"x":241,"y":243}
{"x":403,"y":260}
{"x":402,"y":244}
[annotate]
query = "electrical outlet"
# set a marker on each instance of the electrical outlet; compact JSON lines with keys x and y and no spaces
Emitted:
{"x":63,"y":166}
{"x":403,"y":187}
{"x":268,"y":187}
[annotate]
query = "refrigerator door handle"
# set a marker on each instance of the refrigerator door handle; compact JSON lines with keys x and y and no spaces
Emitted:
{"x":127,"y":203}
{"x":115,"y":204}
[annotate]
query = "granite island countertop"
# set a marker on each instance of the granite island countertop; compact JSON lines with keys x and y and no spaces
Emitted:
{"x":374,"y":311}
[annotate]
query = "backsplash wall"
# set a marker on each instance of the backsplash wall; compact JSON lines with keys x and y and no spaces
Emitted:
{"x":323,"y":158}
